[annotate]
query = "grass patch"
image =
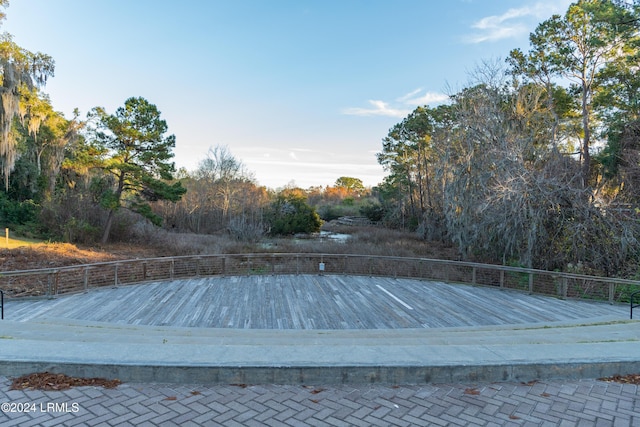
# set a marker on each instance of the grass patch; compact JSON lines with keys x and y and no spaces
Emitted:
{"x":17,"y":242}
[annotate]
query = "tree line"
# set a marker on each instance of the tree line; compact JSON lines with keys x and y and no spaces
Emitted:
{"x":95,"y":179}
{"x":536,"y":161}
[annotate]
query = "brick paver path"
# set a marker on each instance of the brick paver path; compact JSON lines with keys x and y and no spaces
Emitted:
{"x":545,"y":403}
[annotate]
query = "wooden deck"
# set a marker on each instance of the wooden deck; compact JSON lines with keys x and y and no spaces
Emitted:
{"x":308,"y":302}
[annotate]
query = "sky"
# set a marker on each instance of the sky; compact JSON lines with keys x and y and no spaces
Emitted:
{"x":301,"y":92}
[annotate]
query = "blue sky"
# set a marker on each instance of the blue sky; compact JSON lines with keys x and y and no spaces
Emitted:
{"x":298,"y":90}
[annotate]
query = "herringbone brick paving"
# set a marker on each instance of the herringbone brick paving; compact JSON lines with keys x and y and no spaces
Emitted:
{"x":545,"y":403}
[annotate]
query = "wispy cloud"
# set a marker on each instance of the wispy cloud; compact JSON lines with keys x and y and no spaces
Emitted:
{"x":498,"y":27}
{"x":401,"y":106}
{"x":514,"y":22}
{"x":410,"y":95}
{"x":378,"y":108}
{"x":428,"y":98}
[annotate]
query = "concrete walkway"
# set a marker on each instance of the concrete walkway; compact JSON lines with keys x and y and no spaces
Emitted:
{"x":599,"y":347}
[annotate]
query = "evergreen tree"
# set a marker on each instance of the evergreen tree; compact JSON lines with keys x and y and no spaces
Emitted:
{"x":135,"y":152}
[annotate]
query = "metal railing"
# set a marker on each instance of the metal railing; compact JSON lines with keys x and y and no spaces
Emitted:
{"x":50,"y":282}
{"x":1,"y":304}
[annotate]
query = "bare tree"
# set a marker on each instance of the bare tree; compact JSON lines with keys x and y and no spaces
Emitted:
{"x":221,"y":196}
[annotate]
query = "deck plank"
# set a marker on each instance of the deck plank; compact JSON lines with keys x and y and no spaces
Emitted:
{"x":308,"y":302}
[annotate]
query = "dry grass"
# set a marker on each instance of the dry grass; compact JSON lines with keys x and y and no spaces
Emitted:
{"x":150,"y":242}
{"x":164,"y":243}
{"x":363,"y":240}
{"x":386,"y":242}
{"x":43,"y":255}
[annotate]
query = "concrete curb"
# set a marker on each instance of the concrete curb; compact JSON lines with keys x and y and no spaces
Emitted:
{"x":329,"y":375}
{"x":230,"y":356}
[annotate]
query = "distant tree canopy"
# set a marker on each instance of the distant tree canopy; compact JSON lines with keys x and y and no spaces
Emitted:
{"x":354,"y":185}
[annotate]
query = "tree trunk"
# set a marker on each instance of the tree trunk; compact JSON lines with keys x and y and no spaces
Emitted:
{"x":107,"y":227}
{"x":586,"y":156}
{"x":112,"y":211}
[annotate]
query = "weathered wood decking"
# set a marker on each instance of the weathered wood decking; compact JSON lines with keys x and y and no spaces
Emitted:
{"x":308,"y":302}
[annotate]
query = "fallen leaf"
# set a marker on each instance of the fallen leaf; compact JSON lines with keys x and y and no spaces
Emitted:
{"x":624,"y":379}
{"x":50,"y":381}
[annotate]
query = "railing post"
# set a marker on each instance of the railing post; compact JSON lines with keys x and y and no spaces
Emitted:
{"x":530,"y":283}
{"x":115,"y":275}
{"x":1,"y":304}
{"x":565,"y":287}
{"x":171,"y":267}
{"x":197,"y":266}
{"x":224,"y":266}
{"x":144,"y":271}
{"x":501,"y":279}
{"x":86,"y":279}
{"x":473,"y":275}
{"x":612,"y":291}
{"x":633,"y":294}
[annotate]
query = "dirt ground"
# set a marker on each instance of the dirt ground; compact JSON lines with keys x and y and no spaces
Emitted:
{"x":63,"y":254}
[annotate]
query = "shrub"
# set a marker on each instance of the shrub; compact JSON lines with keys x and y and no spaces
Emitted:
{"x":16,"y":213}
{"x":290,"y":214}
{"x":373,"y":211}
